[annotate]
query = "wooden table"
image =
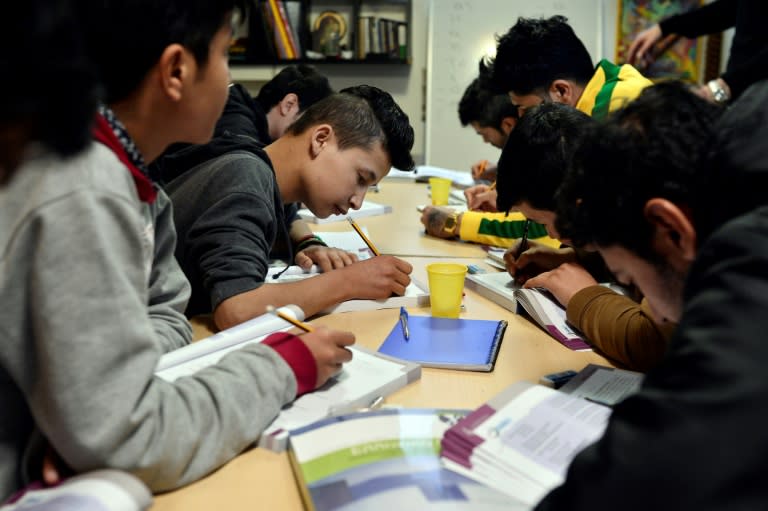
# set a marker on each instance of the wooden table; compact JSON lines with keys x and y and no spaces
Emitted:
{"x":400,"y":232}
{"x":260,"y":479}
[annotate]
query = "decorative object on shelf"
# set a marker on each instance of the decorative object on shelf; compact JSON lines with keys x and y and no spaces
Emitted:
{"x":328,"y":30}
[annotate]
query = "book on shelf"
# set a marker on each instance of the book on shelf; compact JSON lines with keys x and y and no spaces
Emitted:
{"x":446,"y":343}
{"x":367,"y":377}
{"x":542,"y":308}
{"x":383,"y":460}
{"x":522,"y":440}
{"x":368,"y":208}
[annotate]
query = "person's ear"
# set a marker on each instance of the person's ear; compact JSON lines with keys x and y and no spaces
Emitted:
{"x":320,"y":138}
{"x":562,"y":91}
{"x":289,"y":104}
{"x":176,"y":68}
{"x":507,"y":125}
{"x":675,"y":235}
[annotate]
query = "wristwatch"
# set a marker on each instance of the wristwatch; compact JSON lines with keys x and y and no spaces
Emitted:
{"x":451,"y":224}
{"x":719,"y":93}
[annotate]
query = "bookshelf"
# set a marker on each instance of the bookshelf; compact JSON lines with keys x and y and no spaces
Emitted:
{"x":339,"y":32}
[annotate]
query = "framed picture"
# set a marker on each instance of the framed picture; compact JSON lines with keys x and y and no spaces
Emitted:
{"x":329,"y":32}
{"x":679,"y":58}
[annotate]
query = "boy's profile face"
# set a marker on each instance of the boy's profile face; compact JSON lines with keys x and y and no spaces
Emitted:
{"x":209,"y":91}
{"x":544,"y":217}
{"x":660,"y":284}
{"x":339,"y":179}
{"x":490,"y":135}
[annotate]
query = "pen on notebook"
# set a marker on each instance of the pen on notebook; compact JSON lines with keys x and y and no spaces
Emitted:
{"x":295,"y":322}
{"x":524,"y":240}
{"x":363,"y":236}
{"x":404,"y":323}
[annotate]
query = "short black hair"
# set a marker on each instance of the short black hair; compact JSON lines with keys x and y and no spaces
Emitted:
{"x":125,"y":38}
{"x":48,"y":81}
{"x":535,"y":159}
{"x":486,"y":108}
{"x":653,"y":147}
{"x":303,"y":80}
{"x":361,"y":116}
{"x":534,"y":53}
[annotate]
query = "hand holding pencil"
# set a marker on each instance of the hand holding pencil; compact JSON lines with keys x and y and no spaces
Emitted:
{"x":328,"y":349}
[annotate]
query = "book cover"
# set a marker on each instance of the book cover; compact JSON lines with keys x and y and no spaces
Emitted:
{"x":383,"y":460}
{"x":368,"y":208}
{"x":522,"y":440}
{"x":467,"y":344}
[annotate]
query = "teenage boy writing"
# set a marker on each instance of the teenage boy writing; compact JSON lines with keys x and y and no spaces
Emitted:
{"x":237,"y":201}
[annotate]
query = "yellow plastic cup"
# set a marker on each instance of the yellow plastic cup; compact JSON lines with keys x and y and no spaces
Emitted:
{"x":446,"y":288}
{"x":440,"y":188}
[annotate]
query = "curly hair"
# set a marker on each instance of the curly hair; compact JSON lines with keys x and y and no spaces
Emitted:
{"x":654,"y":147}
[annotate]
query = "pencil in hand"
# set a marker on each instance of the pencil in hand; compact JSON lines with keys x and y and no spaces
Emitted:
{"x":295,"y":322}
{"x":360,"y":232}
{"x":524,"y":240}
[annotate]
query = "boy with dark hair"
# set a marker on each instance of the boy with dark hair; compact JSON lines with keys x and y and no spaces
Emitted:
{"x":92,"y":294}
{"x":237,"y":203}
{"x":289,"y":94}
{"x":532,"y":167}
{"x":542,"y":60}
{"x":493,"y":117}
{"x":31,"y":111}
{"x":693,"y":436}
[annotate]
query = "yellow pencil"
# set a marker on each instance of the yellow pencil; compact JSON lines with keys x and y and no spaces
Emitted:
{"x":481,"y":170}
{"x":295,"y":322}
{"x":362,"y":235}
{"x":493,"y":186}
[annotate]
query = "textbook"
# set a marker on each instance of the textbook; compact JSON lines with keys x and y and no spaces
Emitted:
{"x":416,"y":294}
{"x":367,"y":209}
{"x":604,"y":385}
{"x":522,"y":441}
{"x":384,"y":460}
{"x":467,"y":344}
{"x":98,"y":490}
{"x":539,"y":305}
{"x":459,"y":178}
{"x":366,"y":378}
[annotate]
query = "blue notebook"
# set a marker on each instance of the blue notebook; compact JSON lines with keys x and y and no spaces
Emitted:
{"x":467,"y":344}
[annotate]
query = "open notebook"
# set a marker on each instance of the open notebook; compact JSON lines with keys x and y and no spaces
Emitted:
{"x":459,"y":178}
{"x":365,"y":378}
{"x":540,"y":306}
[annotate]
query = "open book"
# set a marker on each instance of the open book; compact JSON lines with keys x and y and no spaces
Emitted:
{"x":368,"y":208}
{"x":539,"y":305}
{"x":522,"y":440}
{"x":367,"y":377}
{"x":416,"y":294}
{"x":384,"y":460}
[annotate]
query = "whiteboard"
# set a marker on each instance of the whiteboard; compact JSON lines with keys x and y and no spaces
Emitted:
{"x":460,"y":32}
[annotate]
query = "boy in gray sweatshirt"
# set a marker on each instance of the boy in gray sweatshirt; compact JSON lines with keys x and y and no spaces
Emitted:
{"x":91,"y":293}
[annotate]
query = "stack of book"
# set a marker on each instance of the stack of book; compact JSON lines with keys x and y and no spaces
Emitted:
{"x":522,"y":441}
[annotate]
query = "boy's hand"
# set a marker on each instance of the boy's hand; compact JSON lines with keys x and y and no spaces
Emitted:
{"x":327,"y":258}
{"x":536,"y":259}
{"x":563,"y":282}
{"x":378,"y":278}
{"x":484,"y":170}
{"x":329,"y":348}
{"x":433,"y":218}
{"x":481,"y":198}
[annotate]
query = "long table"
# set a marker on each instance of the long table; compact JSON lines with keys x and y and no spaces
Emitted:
{"x":263,"y":480}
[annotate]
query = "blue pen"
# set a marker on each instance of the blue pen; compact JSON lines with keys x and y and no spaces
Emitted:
{"x":404,"y":323}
